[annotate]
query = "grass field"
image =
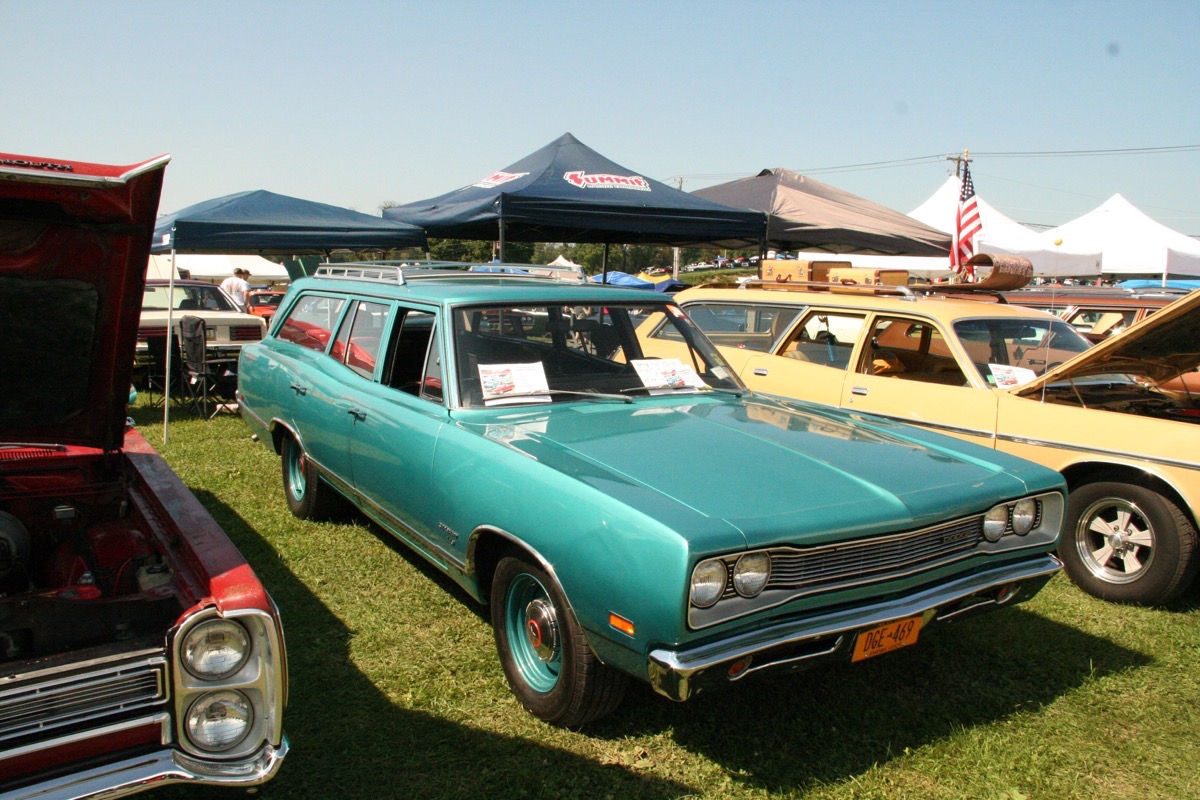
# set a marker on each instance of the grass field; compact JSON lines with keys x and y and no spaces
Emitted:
{"x":396,"y":691}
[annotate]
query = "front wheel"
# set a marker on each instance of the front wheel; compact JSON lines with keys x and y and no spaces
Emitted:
{"x":1128,"y":544}
{"x":546,"y":658}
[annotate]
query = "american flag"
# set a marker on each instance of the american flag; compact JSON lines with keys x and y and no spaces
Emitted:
{"x":966,"y":226}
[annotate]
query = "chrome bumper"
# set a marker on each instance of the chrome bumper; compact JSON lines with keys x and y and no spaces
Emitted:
{"x":679,"y":674}
{"x":161,"y":768}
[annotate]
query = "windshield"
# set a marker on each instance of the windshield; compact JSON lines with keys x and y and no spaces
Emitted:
{"x":549,"y":353}
{"x":186,"y":298}
{"x":1010,"y":352}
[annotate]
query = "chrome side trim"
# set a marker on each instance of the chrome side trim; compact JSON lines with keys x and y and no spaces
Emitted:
{"x":1074,"y":448}
{"x":922,"y":423}
{"x":161,"y":768}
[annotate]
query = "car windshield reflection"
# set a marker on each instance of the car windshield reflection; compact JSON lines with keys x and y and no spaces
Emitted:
{"x":556,"y":353}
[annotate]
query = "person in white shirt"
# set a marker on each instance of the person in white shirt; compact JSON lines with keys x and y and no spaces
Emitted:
{"x":236,"y":286}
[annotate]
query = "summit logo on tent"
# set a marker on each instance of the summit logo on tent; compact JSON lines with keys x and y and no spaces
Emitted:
{"x":498,"y":178}
{"x":584,"y":181}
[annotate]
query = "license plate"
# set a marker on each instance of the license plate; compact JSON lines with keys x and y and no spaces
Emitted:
{"x":886,"y":638}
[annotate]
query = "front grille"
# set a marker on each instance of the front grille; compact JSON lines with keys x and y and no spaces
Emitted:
{"x":885,"y":556}
{"x":245,"y":333}
{"x":41,"y":708}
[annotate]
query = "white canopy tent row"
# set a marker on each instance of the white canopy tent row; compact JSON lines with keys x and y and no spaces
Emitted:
{"x":1132,"y":243}
{"x":1070,"y":257}
{"x":208,"y":267}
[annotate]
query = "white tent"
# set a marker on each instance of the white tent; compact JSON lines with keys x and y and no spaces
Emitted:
{"x":1002,"y":234}
{"x":214,"y":267}
{"x":1132,"y":243}
{"x":562,"y":261}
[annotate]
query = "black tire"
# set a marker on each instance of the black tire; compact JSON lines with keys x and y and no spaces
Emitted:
{"x":546,"y":658}
{"x":1128,"y":544}
{"x":308,"y":497}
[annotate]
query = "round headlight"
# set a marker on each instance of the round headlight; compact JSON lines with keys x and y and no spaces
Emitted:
{"x":995,"y":521}
{"x":708,"y":582}
{"x":219,"y":720}
{"x":1024,"y":515}
{"x":214,"y":650}
{"x":751,"y":574}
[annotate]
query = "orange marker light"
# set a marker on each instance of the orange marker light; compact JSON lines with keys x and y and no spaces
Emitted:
{"x":621,"y":624}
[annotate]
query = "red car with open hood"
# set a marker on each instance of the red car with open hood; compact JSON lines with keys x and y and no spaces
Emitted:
{"x":137,"y":646}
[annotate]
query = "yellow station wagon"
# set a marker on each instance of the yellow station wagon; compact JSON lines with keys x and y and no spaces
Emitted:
{"x":1016,"y":379}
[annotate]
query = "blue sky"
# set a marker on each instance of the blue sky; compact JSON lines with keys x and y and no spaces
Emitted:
{"x":358,"y":103}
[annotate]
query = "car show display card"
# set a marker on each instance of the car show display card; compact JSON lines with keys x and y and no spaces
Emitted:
{"x":513,"y":383}
{"x":666,"y":375}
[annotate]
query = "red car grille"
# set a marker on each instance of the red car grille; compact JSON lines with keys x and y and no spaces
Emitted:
{"x":245,"y":333}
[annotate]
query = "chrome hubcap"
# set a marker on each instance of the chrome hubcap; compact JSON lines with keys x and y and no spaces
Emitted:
{"x":541,"y":629}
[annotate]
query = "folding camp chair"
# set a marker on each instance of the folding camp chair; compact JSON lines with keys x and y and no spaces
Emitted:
{"x":203,"y":378}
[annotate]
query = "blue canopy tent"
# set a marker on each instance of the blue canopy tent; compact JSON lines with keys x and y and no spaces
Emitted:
{"x":261,"y":222}
{"x":623,"y":279}
{"x":567,"y":192}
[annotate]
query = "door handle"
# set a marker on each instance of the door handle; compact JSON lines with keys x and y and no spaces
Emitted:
{"x":358,"y":414}
{"x":300,"y":390}
{"x":861,"y":391}
{"x":760,"y":370}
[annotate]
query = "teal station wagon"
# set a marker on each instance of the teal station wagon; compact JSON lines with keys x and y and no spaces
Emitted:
{"x":625,"y":515}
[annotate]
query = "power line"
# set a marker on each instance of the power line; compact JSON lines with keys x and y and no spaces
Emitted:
{"x":938,"y":157}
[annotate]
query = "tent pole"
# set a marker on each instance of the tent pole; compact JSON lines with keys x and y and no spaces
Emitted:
{"x":170,"y":326}
{"x":501,"y":254}
{"x":604,"y":265}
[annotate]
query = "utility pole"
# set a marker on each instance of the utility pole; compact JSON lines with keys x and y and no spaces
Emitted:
{"x":958,"y":160}
{"x":676,"y":255}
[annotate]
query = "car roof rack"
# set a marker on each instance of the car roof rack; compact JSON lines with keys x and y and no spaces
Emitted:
{"x":399,"y":273}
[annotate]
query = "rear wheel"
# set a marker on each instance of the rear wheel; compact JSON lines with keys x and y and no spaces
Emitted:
{"x":546,"y":658}
{"x":307,"y":497}
{"x":1128,"y":544}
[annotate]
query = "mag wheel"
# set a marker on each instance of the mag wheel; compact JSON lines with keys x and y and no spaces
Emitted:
{"x":1128,"y":544}
{"x":546,"y":658}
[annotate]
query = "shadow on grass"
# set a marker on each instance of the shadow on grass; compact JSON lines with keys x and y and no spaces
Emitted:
{"x":350,"y":741}
{"x":828,"y":724}
{"x":787,"y":732}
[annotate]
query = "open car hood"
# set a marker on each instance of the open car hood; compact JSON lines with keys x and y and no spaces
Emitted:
{"x":74,"y":243}
{"x":1159,"y":349}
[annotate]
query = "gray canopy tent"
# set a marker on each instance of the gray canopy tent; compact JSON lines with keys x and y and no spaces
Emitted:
{"x":803,"y":214}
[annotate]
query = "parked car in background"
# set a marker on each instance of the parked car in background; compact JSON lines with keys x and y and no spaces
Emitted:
{"x":262,"y":303}
{"x":514,"y":431}
{"x":1116,"y":420}
{"x":137,"y":647}
{"x":1096,"y":311}
{"x":227,"y":327}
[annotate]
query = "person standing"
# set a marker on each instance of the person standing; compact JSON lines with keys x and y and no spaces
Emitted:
{"x":236,"y":286}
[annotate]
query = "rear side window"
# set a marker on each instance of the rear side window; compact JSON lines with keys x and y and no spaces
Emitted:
{"x":358,"y":341}
{"x":311,"y":321}
{"x":746,"y":326}
{"x":825,"y":338}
